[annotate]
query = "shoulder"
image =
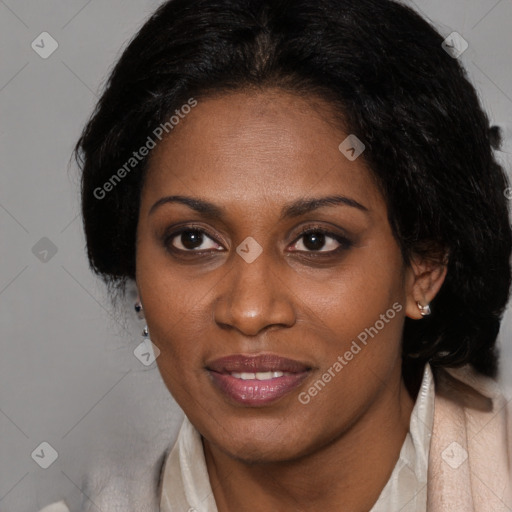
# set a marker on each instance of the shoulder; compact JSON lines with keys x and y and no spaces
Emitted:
{"x":471,"y":444}
{"x":471,"y":390}
{"x":477,"y":400}
{"x":108,"y":488}
{"x":59,"y":506}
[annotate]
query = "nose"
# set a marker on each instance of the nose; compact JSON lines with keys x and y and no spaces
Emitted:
{"x":252,"y":298}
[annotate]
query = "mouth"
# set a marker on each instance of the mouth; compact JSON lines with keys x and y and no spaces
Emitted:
{"x":256,"y":380}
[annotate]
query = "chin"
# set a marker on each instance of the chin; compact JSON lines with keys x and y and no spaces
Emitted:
{"x":264,"y":452}
{"x":263,"y":445}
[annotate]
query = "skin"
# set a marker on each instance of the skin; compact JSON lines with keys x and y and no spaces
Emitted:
{"x":251,"y":153}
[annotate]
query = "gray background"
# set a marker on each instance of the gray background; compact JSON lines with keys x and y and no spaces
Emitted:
{"x":68,"y":375}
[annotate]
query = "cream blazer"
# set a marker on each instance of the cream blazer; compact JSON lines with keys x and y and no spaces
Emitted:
{"x":464,"y":429}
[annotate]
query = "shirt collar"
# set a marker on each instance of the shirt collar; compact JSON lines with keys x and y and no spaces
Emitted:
{"x":421,"y":424}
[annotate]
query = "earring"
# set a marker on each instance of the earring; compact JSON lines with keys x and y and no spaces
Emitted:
{"x":138,"y":309}
{"x":140,"y":313}
{"x":146,"y":352}
{"x":424,"y":310}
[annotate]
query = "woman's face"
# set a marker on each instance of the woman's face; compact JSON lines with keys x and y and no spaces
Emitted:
{"x":235,"y":276}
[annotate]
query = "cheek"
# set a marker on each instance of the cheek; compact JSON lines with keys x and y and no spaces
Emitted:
{"x":179,"y":334}
{"x":165,"y":302}
{"x":359,"y":314}
{"x":357,"y":341}
{"x":176,"y":315}
{"x":179,"y":318}
{"x":354,"y":298}
{"x":168,"y":296}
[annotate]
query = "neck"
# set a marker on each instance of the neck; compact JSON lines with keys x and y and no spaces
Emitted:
{"x":352,"y":469}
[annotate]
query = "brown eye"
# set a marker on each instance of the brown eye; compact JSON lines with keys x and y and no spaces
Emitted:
{"x":319,"y":240}
{"x":191,"y":240}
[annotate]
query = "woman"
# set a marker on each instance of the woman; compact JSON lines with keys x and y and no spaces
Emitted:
{"x":306,"y":197}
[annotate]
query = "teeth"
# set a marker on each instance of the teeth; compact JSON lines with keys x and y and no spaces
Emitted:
{"x":244,"y":376}
{"x":258,"y":375}
{"x":264,"y":375}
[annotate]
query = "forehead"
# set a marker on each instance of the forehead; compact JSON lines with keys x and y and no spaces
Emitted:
{"x":249,"y":147}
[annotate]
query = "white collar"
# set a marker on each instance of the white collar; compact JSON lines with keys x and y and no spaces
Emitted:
{"x":406,"y":489}
{"x":185,"y":485}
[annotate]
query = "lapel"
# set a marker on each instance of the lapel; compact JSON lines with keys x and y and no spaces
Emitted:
{"x":471,"y":446}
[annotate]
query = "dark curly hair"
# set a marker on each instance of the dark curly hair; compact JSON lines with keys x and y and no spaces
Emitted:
{"x":383,"y":69}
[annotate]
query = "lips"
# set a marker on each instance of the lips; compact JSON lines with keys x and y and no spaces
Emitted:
{"x":256,"y":364}
{"x":256,"y":380}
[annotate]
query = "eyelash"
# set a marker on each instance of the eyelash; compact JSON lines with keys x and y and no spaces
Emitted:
{"x":344,"y":242}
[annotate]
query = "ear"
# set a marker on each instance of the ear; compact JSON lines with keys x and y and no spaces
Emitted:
{"x":424,"y":278}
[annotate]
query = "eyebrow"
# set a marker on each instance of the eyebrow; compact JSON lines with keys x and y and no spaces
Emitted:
{"x":290,"y":210}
